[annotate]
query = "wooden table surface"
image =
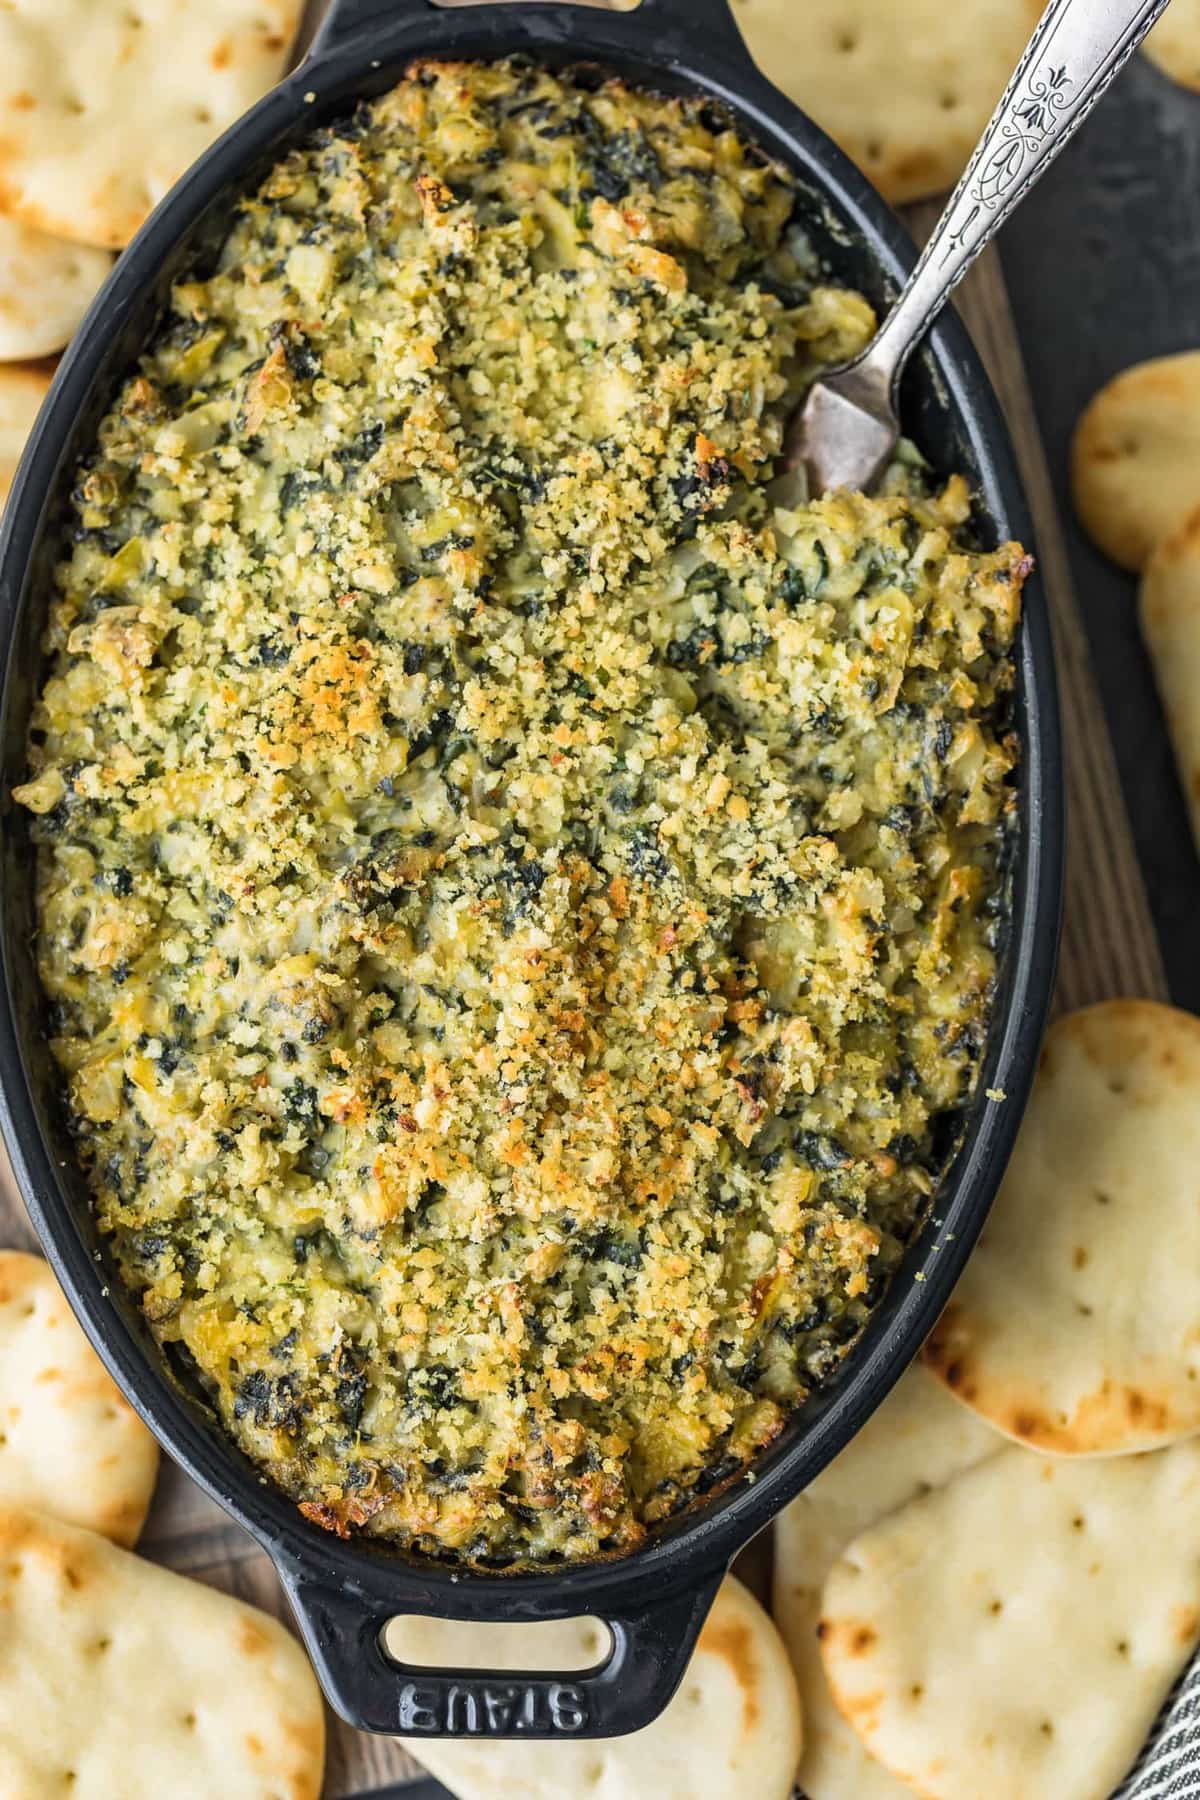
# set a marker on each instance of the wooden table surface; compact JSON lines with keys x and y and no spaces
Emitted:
{"x":1102,"y":266}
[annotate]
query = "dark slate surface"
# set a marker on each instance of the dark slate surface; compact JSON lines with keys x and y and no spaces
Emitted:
{"x":1103,"y":269}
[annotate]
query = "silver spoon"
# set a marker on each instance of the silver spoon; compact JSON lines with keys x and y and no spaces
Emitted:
{"x":847,"y":429}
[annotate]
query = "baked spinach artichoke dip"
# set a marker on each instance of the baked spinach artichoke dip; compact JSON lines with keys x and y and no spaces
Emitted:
{"x":520,"y":889}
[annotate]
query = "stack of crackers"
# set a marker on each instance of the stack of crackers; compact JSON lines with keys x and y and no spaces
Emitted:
{"x":991,"y":1593}
{"x":119,"y":1678}
{"x":104,"y":106}
{"x":1135,"y":472}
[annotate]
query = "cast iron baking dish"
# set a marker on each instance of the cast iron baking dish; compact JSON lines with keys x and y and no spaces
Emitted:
{"x":654,"y":1599}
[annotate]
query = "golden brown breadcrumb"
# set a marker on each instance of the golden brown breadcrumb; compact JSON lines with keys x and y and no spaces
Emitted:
{"x":519,"y":888}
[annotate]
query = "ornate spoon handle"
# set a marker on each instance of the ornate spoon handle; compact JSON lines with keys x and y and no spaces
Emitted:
{"x":1073,"y":55}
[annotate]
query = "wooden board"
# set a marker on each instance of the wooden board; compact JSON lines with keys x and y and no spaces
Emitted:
{"x":1109,"y":948}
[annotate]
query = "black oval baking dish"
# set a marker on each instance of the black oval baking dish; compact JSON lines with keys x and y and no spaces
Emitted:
{"x":655,"y":1598}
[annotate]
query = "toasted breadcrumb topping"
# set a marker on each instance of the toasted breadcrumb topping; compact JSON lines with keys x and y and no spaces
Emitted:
{"x":519,"y":891}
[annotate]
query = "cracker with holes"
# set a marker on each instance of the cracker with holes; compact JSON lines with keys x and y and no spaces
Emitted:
{"x":1135,"y":459}
{"x":121,"y":1678}
{"x":46,"y":286}
{"x":105,"y":105}
{"x":918,"y":1440}
{"x":70,"y":1444}
{"x":1169,"y":603}
{"x":904,"y":89}
{"x":732,"y":1728}
{"x":1015,"y":1632}
{"x":23,"y":387}
{"x":1174,"y":44}
{"x":1076,"y":1325}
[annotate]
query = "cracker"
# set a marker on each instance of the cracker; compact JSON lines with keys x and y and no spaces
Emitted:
{"x":905,"y":90}
{"x":1174,"y":44}
{"x":1015,"y":1632}
{"x":1135,"y":459}
{"x":46,"y":286}
{"x":118,"y":1677}
{"x":1074,"y":1327}
{"x":732,"y":1728}
{"x":23,"y":387}
{"x":70,"y":1443}
{"x":1169,"y":604}
{"x":103,"y":106}
{"x":917,"y":1440}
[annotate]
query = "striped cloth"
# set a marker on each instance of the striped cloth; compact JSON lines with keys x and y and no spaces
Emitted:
{"x":1169,"y":1767}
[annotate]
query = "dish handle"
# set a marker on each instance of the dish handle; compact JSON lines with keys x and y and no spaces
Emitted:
{"x":651,"y":1646}
{"x":704,"y":19}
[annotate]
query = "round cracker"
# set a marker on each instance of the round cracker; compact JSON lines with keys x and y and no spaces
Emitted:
{"x":124,"y":1681}
{"x":918,"y":1440}
{"x":1169,"y":605}
{"x":46,"y":286}
{"x":105,"y":106}
{"x":23,"y":387}
{"x":70,"y":1443}
{"x":1016,"y":1632}
{"x":732,"y":1728}
{"x":1174,"y":44}
{"x":905,"y":90}
{"x":1135,"y":459}
{"x":1074,"y":1327}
